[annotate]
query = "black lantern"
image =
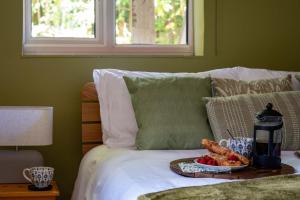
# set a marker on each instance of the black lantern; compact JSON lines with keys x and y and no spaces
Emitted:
{"x":267,"y":139}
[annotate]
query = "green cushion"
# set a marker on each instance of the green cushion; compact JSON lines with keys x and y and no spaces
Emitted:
{"x":169,"y":111}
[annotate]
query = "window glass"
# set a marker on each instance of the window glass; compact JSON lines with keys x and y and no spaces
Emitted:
{"x":112,"y":27}
{"x":160,"y":22}
{"x":63,"y":18}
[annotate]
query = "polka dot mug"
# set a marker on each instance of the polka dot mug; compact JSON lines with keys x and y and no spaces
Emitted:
{"x":40,"y":177}
{"x":240,"y":145}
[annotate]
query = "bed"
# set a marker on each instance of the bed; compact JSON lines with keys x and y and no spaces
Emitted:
{"x":125,"y":173}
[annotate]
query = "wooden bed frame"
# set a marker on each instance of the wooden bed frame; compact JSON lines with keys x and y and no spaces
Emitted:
{"x":90,"y":118}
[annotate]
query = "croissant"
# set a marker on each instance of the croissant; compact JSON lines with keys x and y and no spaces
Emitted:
{"x":223,"y":160}
{"x":214,"y":147}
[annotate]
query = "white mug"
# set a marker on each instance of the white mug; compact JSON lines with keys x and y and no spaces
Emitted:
{"x":240,"y":145}
{"x":40,"y":177}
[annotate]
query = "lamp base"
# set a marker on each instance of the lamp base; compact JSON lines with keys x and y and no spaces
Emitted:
{"x":12,"y":164}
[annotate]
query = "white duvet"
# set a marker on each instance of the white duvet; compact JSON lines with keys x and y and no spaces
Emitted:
{"x":122,"y":174}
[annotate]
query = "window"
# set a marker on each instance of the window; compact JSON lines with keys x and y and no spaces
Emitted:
{"x":62,"y":19}
{"x":108,"y":27}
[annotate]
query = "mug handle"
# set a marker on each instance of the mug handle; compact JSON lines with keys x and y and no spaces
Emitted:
{"x":222,"y":142}
{"x":25,"y":176}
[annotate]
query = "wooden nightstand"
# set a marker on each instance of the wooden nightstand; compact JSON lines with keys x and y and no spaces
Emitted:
{"x":20,"y":191}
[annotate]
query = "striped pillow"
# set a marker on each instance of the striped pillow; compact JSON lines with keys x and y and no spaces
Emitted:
{"x":237,"y":113}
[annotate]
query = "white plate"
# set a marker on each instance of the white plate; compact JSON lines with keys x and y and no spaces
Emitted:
{"x":220,"y":168}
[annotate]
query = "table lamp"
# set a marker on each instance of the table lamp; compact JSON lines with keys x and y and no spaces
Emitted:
{"x":23,"y":126}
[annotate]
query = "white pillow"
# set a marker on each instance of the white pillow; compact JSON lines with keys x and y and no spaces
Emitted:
{"x":250,"y":74}
{"x":119,"y":125}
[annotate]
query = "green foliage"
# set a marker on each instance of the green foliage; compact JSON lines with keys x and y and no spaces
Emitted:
{"x":123,"y":20}
{"x":170,"y":16}
{"x":75,"y":18}
{"x":169,"y":20}
{"x":63,"y":18}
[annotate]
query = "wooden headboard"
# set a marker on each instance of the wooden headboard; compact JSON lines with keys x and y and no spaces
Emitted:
{"x":90,"y":118}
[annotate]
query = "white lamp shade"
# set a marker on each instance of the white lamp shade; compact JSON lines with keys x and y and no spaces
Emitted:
{"x":25,"y":126}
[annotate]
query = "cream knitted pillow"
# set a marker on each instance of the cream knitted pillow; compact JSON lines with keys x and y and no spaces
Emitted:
{"x":230,"y":87}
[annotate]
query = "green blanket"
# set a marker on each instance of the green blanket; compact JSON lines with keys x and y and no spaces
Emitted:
{"x":285,"y":187}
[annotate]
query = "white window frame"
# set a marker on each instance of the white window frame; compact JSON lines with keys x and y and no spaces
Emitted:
{"x":104,"y":41}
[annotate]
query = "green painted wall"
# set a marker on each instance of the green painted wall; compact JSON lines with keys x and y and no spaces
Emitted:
{"x":237,"y":32}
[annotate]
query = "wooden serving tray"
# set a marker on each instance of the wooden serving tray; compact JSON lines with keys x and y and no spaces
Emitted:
{"x":246,"y":173}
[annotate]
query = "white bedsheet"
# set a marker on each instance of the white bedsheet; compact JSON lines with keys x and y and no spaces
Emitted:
{"x":122,"y":174}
